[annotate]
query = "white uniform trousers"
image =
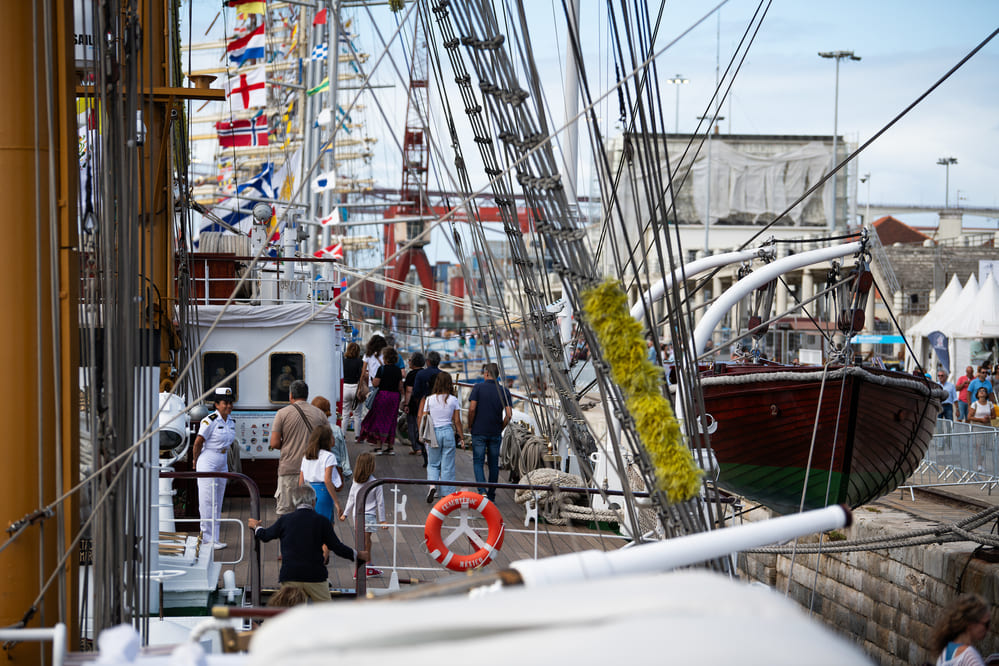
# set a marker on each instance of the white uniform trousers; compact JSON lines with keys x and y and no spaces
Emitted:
{"x":210,"y":493}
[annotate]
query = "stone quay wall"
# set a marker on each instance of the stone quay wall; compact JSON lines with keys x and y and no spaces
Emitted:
{"x":884,"y":600}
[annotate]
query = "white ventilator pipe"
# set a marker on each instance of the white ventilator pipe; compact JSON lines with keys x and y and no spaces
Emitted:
{"x":687,"y":271}
{"x":670,"y":554}
{"x":734,"y":294}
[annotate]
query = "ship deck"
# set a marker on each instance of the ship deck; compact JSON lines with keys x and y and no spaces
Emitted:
{"x":402,"y":544}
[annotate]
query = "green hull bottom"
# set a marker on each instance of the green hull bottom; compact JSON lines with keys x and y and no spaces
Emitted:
{"x":779,"y":488}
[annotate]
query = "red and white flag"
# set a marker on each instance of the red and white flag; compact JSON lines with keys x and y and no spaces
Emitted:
{"x":334,"y":251}
{"x":247,"y":47}
{"x":247,"y":90}
{"x":330,"y":219}
{"x":249,"y":132}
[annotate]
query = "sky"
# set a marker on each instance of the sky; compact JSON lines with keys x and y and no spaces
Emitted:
{"x":783,"y":87}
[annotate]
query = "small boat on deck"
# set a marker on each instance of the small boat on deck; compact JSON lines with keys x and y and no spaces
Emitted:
{"x":794,"y":438}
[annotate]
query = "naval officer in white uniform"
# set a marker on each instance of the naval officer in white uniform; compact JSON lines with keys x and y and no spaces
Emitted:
{"x":215,"y":436}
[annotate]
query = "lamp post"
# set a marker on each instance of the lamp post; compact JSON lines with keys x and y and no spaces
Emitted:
{"x":707,"y":203}
{"x":945,"y":162}
{"x":837,"y":56}
{"x":678,"y":81}
{"x":866,"y":178}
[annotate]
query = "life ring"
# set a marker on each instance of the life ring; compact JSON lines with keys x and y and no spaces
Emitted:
{"x":436,"y":545}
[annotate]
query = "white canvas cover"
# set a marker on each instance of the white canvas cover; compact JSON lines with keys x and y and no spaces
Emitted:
{"x":685,"y":617}
{"x":250,"y":316}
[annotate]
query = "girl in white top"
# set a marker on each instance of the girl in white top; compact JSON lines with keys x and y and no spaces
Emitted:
{"x":373,"y":356}
{"x":319,"y":470}
{"x":445,"y":413}
{"x":374,"y":503}
{"x":982,"y":409}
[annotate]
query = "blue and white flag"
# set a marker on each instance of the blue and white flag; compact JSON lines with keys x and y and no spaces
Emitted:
{"x":259,"y":185}
{"x":939,"y":343}
{"x":324,"y":181}
{"x":319,"y":52}
{"x":237,"y":211}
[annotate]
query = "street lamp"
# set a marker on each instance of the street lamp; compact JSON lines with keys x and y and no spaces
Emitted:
{"x":707,"y":203}
{"x":866,"y":178}
{"x":678,"y":81}
{"x":837,"y":56}
{"x":945,"y":162}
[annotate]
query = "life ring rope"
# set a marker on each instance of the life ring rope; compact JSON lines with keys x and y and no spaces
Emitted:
{"x":437,"y":546}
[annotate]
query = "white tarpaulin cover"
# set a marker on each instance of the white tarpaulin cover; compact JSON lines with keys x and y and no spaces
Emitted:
{"x":749,"y":186}
{"x":251,"y":316}
{"x":688,"y":617}
{"x":758,"y":184}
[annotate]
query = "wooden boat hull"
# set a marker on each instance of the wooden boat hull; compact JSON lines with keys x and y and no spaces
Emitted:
{"x":873,"y":429}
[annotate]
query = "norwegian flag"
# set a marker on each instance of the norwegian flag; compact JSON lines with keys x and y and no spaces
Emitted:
{"x":238,"y":133}
{"x":334,"y":251}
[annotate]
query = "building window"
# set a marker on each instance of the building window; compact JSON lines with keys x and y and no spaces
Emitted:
{"x":284,"y":368}
{"x":216,"y":366}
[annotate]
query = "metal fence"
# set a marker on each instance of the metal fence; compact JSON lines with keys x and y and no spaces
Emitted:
{"x":960,"y":454}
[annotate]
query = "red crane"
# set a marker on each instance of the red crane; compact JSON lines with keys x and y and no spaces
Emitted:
{"x":415,"y":167}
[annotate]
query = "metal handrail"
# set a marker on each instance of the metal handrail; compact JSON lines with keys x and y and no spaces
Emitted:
{"x":251,"y":486}
{"x":362,"y":496}
{"x":56,"y":634}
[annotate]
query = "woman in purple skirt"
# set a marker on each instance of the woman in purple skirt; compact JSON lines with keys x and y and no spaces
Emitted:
{"x":379,"y":425}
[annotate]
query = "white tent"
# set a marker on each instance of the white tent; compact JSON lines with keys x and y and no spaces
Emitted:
{"x":941,"y":321}
{"x":980,"y":319}
{"x":965,"y":302}
{"x":941,"y":311}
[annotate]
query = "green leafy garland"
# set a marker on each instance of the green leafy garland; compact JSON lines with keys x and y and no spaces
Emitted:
{"x":624,"y":348}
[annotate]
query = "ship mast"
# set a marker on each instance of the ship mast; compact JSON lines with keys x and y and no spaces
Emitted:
{"x":38,"y":295}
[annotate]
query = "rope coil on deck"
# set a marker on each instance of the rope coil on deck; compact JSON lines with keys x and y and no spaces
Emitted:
{"x":558,"y":507}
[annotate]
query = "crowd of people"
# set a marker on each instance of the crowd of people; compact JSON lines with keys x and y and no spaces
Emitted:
{"x":314,"y":467}
{"x":972,"y":398}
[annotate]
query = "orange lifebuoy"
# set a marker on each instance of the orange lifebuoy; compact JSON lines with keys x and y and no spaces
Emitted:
{"x":435,"y":521}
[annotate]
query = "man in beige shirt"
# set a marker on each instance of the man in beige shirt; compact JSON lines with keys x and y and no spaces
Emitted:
{"x":290,"y":435}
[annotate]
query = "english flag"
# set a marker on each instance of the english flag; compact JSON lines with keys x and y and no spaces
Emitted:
{"x":334,"y":251}
{"x":247,"y":48}
{"x":247,"y":90}
{"x":238,"y":133}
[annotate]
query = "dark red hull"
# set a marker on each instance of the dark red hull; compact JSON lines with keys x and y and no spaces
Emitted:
{"x":874,"y":427}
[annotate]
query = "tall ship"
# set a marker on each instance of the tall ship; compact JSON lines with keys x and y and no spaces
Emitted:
{"x":225,"y":195}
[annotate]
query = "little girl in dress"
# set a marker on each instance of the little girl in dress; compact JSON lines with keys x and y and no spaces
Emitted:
{"x":374,"y":504}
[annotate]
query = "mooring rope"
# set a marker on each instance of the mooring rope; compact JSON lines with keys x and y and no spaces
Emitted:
{"x":959,"y":531}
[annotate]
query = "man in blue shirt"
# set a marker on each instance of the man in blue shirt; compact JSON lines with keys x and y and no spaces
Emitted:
{"x":423,"y":383}
{"x":490,"y":408}
{"x":978,"y":382}
{"x":948,"y":402}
